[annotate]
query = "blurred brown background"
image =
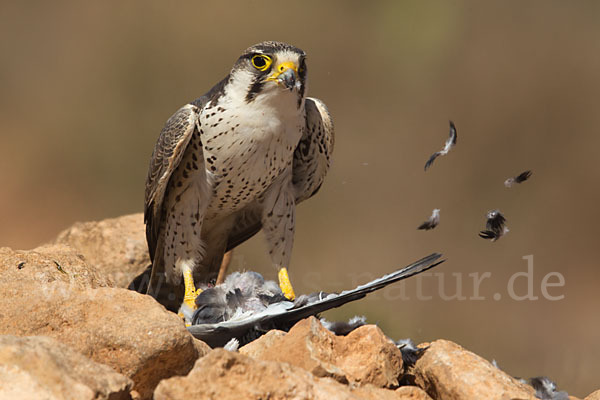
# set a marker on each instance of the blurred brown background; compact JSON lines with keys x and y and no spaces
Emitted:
{"x":86,"y":87}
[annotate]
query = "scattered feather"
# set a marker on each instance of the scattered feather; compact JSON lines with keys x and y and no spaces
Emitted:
{"x":410,"y":352}
{"x":522,"y":177}
{"x":432,"y":222}
{"x":232,"y":345}
{"x":545,"y":389}
{"x":450,"y":143}
{"x":495,"y":228}
{"x":341,"y":328}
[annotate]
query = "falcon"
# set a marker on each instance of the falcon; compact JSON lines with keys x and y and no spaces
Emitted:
{"x":450,"y":143}
{"x":229,"y":164}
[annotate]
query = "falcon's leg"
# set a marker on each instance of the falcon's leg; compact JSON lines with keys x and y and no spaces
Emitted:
{"x":285,"y":284}
{"x":223,"y":268}
{"x":189,"y":298}
{"x":278,"y":222}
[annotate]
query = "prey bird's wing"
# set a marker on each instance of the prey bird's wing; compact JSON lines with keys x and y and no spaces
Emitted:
{"x":312,"y":159}
{"x":283,"y":315}
{"x":336,"y":300}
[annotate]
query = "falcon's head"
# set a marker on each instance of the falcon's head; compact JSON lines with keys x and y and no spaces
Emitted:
{"x":269,"y":70}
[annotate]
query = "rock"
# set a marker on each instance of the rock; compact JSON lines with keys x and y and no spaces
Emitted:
{"x":116,"y":247}
{"x":227,"y":375}
{"x":38,"y":367}
{"x":256,"y":348}
{"x":447,"y":371}
{"x":48,"y":267}
{"x":125,"y":330}
{"x":201,"y":348}
{"x":402,"y":393}
{"x":593,"y":396}
{"x":364,"y":356}
{"x":412,"y":393}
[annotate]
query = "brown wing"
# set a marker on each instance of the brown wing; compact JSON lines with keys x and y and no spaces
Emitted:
{"x":167,"y":154}
{"x":311,"y":163}
{"x":312,"y":157}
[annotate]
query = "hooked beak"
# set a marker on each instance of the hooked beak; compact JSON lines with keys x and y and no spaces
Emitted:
{"x":286,"y":74}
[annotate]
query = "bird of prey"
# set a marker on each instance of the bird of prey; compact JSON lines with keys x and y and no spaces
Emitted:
{"x":230,"y":163}
{"x":522,"y":177}
{"x":450,"y":143}
{"x":432,"y":222}
{"x":246,"y":307}
{"x":494,"y":225}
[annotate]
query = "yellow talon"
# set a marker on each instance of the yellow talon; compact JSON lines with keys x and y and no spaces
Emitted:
{"x":286,"y":285}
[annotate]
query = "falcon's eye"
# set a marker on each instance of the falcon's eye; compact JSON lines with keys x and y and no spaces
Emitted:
{"x":261,"y":62}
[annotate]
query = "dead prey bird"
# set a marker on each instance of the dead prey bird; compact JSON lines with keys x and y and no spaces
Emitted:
{"x":432,"y":222}
{"x":450,"y":143}
{"x":246,"y":306}
{"x":495,"y":228}
{"x":522,"y":177}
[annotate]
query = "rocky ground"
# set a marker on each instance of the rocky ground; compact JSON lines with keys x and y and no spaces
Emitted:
{"x":69,"y":329}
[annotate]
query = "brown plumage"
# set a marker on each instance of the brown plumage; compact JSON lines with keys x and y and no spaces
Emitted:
{"x":233,"y":162}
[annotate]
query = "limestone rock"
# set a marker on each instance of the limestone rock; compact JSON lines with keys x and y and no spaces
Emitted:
{"x":402,"y":393}
{"x":447,"y":371}
{"x":365,"y":355}
{"x":38,"y":367}
{"x":412,"y":393}
{"x":116,"y":246}
{"x":593,"y":396}
{"x":48,"y":267}
{"x":227,"y":375}
{"x":126,"y":330}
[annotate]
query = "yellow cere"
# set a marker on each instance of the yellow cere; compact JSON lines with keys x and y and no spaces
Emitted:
{"x":281,"y":68}
{"x":286,"y":285}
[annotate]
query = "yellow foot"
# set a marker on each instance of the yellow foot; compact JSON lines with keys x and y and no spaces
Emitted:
{"x":189,"y":298}
{"x":286,"y":285}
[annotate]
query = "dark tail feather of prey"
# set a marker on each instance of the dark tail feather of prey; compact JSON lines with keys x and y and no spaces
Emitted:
{"x":361,"y":291}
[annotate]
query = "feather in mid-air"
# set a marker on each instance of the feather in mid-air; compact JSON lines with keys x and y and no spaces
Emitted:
{"x":450,"y":143}
{"x":432,"y":222}
{"x":246,"y":306}
{"x":494,"y":225}
{"x":522,"y":177}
